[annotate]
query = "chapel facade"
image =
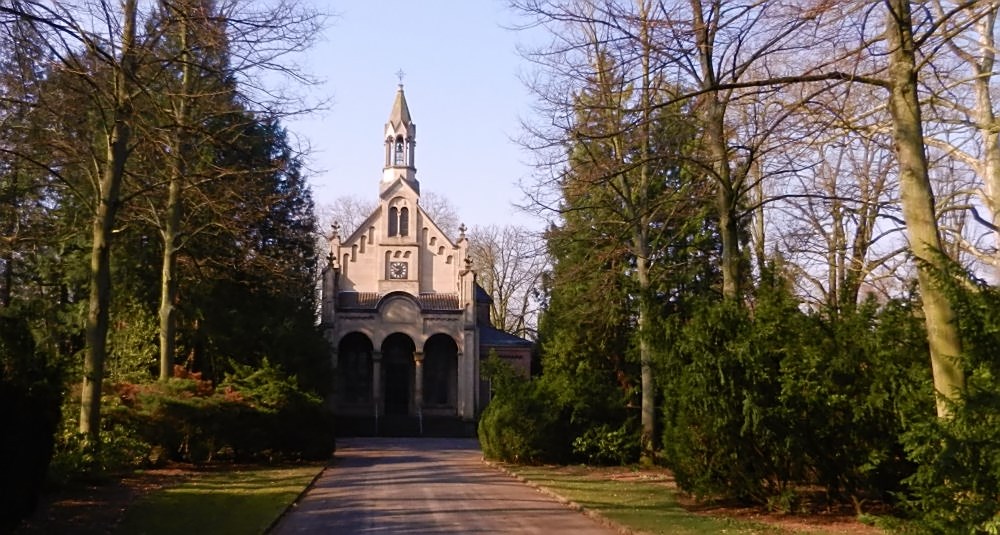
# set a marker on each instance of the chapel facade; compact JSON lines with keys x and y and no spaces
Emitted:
{"x":407,"y":324}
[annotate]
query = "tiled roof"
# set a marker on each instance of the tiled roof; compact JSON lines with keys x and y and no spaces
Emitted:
{"x":358,"y":300}
{"x":439,"y":302}
{"x":369,"y":301}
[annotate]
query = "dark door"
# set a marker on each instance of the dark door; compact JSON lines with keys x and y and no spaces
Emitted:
{"x":397,"y":387}
{"x":397,"y":352}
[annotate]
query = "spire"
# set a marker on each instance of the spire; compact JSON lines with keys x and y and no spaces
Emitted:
{"x":400,"y":145}
{"x":400,"y":115}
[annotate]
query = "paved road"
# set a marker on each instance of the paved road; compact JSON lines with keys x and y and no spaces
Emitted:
{"x":425,"y":486}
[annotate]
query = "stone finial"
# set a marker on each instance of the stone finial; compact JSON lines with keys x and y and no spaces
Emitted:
{"x":461,"y":231}
{"x":335,"y":227}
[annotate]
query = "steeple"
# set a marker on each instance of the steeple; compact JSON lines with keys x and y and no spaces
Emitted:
{"x":400,"y":143}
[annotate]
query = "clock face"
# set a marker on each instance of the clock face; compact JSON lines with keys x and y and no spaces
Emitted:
{"x":397,"y":270}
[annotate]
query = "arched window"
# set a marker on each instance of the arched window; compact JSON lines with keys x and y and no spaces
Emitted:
{"x":404,"y":222}
{"x":393,"y":221}
{"x":399,"y":158}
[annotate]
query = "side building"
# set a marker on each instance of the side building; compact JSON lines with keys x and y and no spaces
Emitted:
{"x":402,"y":311}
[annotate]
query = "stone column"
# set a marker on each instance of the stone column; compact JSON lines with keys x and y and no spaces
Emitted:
{"x":468,"y":376}
{"x":418,"y":380}
{"x":377,"y":380}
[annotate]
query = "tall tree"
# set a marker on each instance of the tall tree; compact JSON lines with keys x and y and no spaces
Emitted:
{"x":209,"y":45}
{"x":117,"y":139}
{"x":918,"y":201}
{"x":627,"y":149}
{"x":25,"y":189}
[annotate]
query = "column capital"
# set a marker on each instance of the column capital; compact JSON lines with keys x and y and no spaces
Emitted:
{"x":418,"y":356}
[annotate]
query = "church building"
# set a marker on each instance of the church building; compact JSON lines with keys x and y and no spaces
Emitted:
{"x":406,"y":321}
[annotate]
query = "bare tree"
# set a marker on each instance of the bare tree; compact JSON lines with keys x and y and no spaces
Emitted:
{"x":509,"y":262}
{"x":442,"y":211}
{"x":917,"y":199}
{"x":960,"y":133}
{"x":348,"y":212}
{"x":836,"y":212}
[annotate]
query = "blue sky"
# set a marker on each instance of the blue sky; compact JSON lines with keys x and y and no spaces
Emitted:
{"x":463,"y":89}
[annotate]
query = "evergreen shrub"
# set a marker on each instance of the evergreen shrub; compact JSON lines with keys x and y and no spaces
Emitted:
{"x":255,"y":414}
{"x":956,"y":486}
{"x":30,"y":396}
{"x":522,"y":423}
{"x":761,"y":403}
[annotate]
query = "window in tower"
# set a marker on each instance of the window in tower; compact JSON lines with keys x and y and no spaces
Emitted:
{"x":393,"y":221}
{"x":399,"y":159}
{"x":404,"y":222}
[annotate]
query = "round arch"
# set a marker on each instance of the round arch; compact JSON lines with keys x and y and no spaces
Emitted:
{"x":397,"y":366}
{"x":403,"y":311}
{"x":354,"y":368}
{"x":440,"y":386}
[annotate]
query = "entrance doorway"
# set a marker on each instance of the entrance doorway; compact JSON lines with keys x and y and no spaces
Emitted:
{"x":397,"y":358}
{"x":440,"y":372}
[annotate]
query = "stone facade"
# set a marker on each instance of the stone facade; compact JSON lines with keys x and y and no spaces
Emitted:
{"x":400,"y":304}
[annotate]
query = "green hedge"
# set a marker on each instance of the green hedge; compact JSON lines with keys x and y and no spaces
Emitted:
{"x":523,"y":422}
{"x":758,"y":404}
{"x":255,"y":414}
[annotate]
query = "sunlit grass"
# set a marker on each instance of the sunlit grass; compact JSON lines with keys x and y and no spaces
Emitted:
{"x":242,"y":501}
{"x":646,"y":505}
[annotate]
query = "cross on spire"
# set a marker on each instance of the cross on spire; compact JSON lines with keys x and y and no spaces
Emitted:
{"x":400,"y":74}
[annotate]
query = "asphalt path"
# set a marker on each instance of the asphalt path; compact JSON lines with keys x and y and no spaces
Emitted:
{"x":425,"y":486}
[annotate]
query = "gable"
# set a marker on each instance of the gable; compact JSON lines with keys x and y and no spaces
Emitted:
{"x":371,"y":221}
{"x":399,"y":188}
{"x":435,"y":229}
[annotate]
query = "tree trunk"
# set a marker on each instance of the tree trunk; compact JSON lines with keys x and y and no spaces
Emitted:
{"x":642,"y":253}
{"x":715,"y":141}
{"x":918,"y":204}
{"x":648,"y":408}
{"x":175,"y":206}
{"x":168,"y":275}
{"x":729,"y":232}
{"x":104,"y":217}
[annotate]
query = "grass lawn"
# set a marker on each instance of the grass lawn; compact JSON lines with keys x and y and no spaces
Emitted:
{"x":641,"y":502}
{"x":241,"y":501}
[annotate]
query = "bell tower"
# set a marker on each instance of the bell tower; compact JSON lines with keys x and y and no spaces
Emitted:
{"x":400,"y":144}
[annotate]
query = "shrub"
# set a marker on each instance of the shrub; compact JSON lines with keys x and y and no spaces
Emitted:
{"x":256,"y":414}
{"x":121,"y":449}
{"x":30,"y":396}
{"x":760,"y":402}
{"x":606,"y":445}
{"x":522,"y":422}
{"x":297,"y":422}
{"x":956,"y":487}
